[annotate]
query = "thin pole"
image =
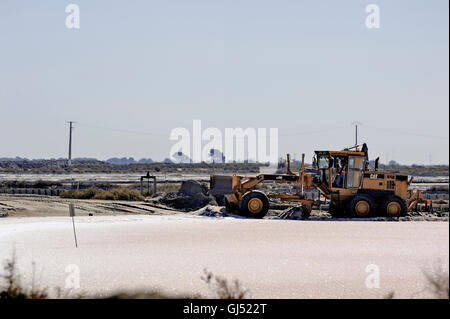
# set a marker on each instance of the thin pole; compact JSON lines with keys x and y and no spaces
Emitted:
{"x":74,"y":233}
{"x":69,"y":162}
{"x":72,"y":214}
{"x":356,"y":132}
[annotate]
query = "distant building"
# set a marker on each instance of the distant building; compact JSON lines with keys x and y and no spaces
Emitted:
{"x":216,"y":156}
{"x":180,"y":158}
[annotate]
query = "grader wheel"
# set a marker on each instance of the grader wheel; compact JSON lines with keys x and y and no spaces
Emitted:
{"x":361,"y":205}
{"x":393,"y":206}
{"x":254,"y":204}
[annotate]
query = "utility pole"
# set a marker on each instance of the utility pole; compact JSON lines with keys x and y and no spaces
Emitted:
{"x":356,"y":123}
{"x":69,"y":162}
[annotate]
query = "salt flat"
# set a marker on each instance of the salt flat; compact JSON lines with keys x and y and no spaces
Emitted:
{"x":272,"y":258}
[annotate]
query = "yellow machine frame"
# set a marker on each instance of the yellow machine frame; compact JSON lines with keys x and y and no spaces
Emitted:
{"x":369,"y":181}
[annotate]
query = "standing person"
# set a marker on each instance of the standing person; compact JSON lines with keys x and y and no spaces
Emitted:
{"x":343,"y":171}
{"x":365,"y":149}
{"x":341,"y":174}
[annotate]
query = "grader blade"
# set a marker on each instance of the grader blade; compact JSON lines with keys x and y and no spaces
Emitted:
{"x":220,"y":185}
{"x":417,"y":198}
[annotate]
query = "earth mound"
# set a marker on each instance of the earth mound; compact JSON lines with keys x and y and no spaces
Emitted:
{"x":192,"y":195}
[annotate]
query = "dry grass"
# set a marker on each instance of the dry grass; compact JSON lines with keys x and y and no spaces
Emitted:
{"x":121,"y":193}
{"x":438,"y":282}
{"x":14,"y":289}
{"x":151,"y":294}
{"x":390,"y":295}
{"x":168,"y":187}
{"x":222,"y":288}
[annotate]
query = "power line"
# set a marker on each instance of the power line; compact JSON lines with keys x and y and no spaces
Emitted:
{"x":165,"y":135}
{"x":406,"y":133}
{"x":314,"y":132}
{"x":284,"y":134}
{"x":121,"y":130}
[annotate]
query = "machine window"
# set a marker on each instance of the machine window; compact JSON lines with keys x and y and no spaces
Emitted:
{"x":355,"y":171}
{"x":324,"y":162}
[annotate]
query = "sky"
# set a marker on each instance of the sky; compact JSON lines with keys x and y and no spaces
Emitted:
{"x":136,"y":70}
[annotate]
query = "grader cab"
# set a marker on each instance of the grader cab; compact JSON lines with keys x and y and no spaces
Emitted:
{"x":354,"y":190}
{"x":342,"y":177}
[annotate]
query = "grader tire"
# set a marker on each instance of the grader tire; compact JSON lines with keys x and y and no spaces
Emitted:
{"x":393,"y":206}
{"x":362,"y":205}
{"x":254,"y":204}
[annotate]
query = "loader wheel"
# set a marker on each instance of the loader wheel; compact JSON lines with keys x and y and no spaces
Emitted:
{"x":393,"y":206}
{"x":254,"y":204}
{"x":361,"y":205}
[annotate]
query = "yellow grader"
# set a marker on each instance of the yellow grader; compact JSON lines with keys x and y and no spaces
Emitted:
{"x":342,"y":177}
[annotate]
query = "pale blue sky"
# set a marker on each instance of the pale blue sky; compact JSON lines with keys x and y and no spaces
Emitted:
{"x":151,"y":66}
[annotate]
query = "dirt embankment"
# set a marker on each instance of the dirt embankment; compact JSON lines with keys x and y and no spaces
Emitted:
{"x":34,"y":206}
{"x":40,"y":206}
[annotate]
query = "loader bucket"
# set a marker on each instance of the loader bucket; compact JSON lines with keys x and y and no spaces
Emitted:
{"x":220,"y":185}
